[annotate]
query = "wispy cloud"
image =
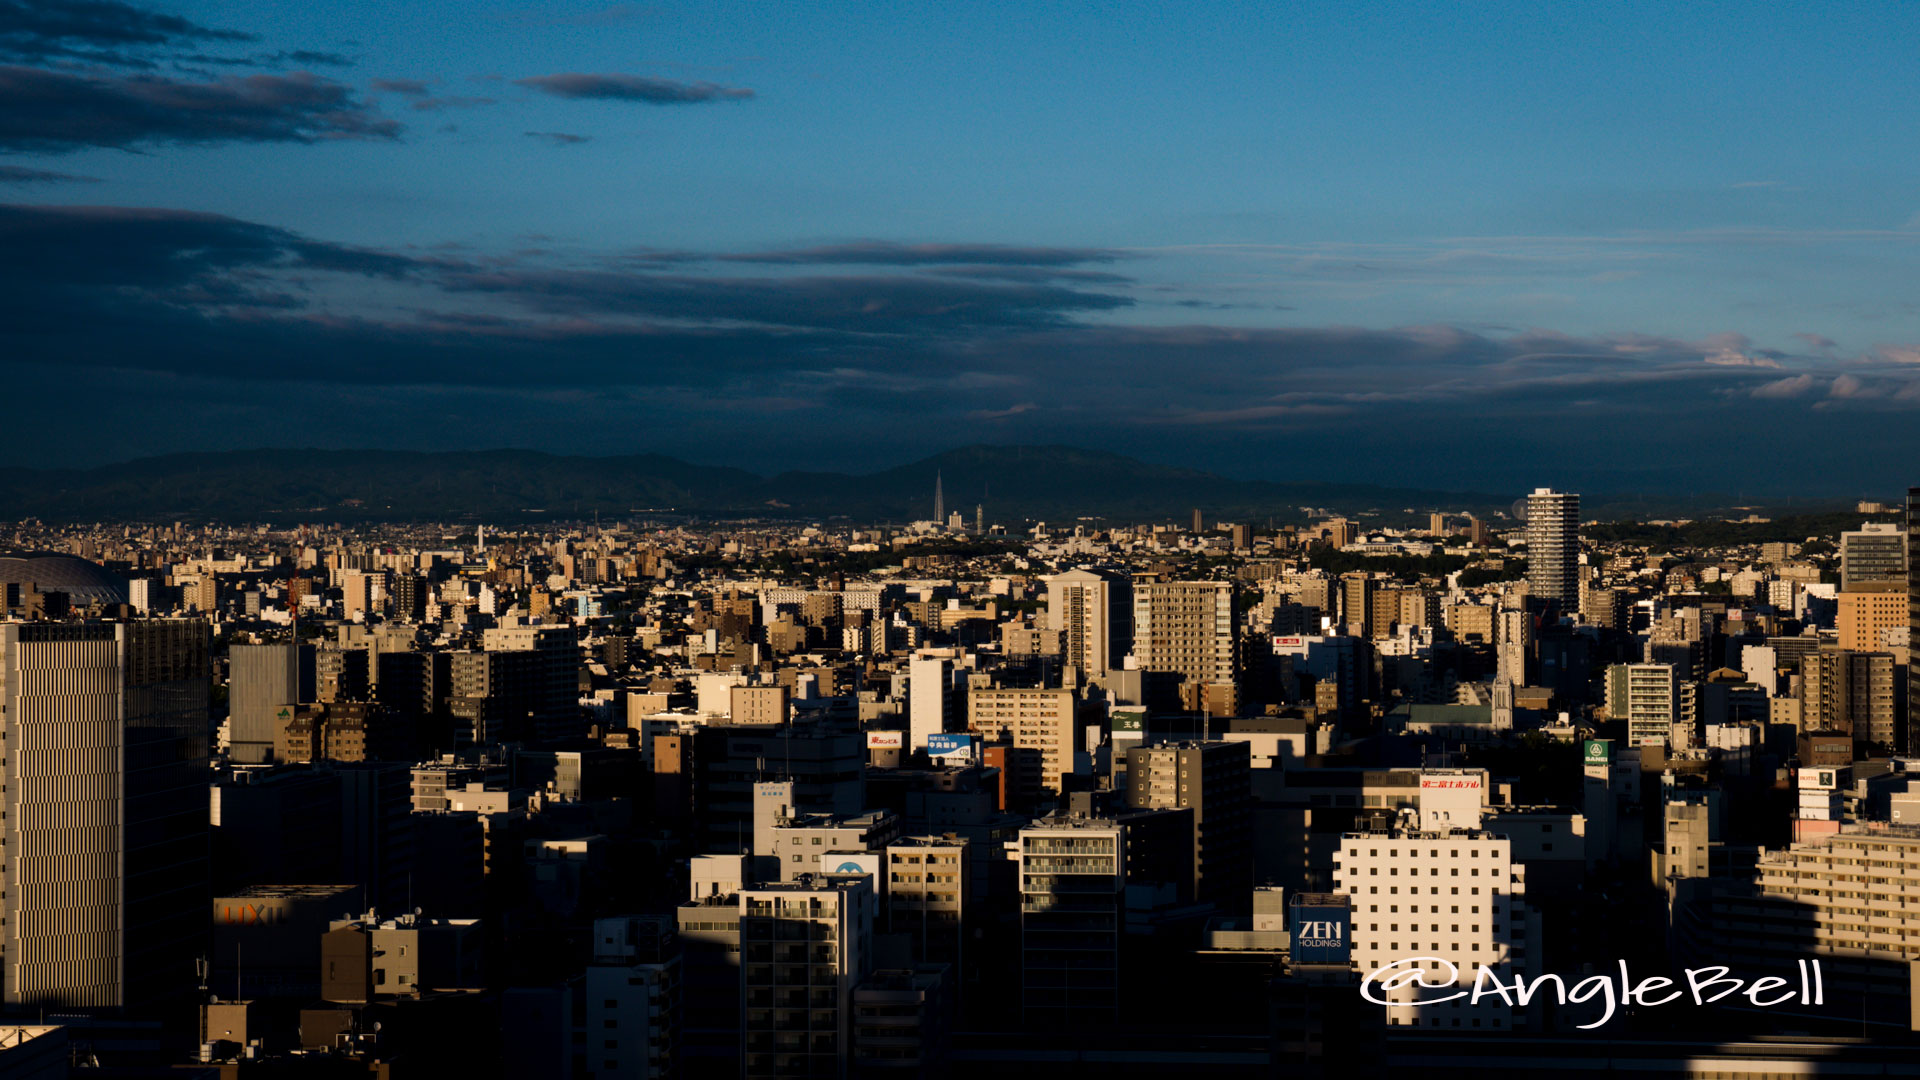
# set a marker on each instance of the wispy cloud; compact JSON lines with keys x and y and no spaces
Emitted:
{"x":409,"y":87}
{"x":639,"y":88}
{"x":52,"y":112}
{"x":15,"y":174}
{"x":886,"y":253}
{"x":97,"y":31}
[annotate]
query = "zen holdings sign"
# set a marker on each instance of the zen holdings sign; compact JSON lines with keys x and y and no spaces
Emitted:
{"x":1322,"y":933}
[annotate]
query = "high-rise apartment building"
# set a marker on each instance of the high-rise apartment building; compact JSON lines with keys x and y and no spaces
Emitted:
{"x":1513,"y":645}
{"x":804,"y":946}
{"x":1073,"y":882}
{"x":1850,"y":692}
{"x":1043,"y":720}
{"x":342,"y":674}
{"x":1843,"y":899}
{"x":1356,"y":603}
{"x":556,"y":671}
{"x":1214,"y":780}
{"x":632,"y":999}
{"x":409,"y":597}
{"x":927,"y":886}
{"x":1186,"y":627}
{"x":1092,"y":611}
{"x":1647,"y":698}
{"x":104,"y":839}
{"x":1553,"y":547}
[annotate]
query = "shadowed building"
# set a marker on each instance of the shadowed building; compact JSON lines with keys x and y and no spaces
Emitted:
{"x":103,"y":846}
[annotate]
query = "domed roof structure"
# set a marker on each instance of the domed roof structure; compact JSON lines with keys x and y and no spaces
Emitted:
{"x":51,"y":571}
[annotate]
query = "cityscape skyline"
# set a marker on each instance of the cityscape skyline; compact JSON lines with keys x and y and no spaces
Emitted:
{"x":653,"y":541}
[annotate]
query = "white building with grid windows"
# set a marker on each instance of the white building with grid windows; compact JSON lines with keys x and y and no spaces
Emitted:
{"x":1455,"y":895}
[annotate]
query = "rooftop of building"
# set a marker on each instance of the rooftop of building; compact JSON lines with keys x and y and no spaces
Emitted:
{"x":866,"y":819}
{"x":808,"y":883}
{"x":947,"y":840}
{"x":411,"y":920}
{"x":286,"y":892}
{"x":1423,"y":834}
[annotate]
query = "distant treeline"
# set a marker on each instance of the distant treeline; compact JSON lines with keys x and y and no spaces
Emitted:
{"x":1700,"y":534}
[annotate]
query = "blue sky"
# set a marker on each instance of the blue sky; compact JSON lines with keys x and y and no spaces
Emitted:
{"x":1627,"y":246}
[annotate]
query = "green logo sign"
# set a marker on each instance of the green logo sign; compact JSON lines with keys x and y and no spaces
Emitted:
{"x":1599,"y":751}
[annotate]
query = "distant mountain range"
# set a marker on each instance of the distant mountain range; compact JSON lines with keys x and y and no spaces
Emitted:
{"x":1013,"y":483}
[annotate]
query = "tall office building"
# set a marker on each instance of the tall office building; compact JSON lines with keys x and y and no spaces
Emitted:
{"x":1867,"y":611}
{"x":1186,"y":627}
{"x":1092,"y":610}
{"x":262,"y":680}
{"x":1214,"y":780}
{"x":1876,"y":552}
{"x":104,"y":839}
{"x":1553,"y":546}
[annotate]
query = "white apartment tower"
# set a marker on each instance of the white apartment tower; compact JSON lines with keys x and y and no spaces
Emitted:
{"x":1091,"y":610}
{"x":1553,"y":546}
